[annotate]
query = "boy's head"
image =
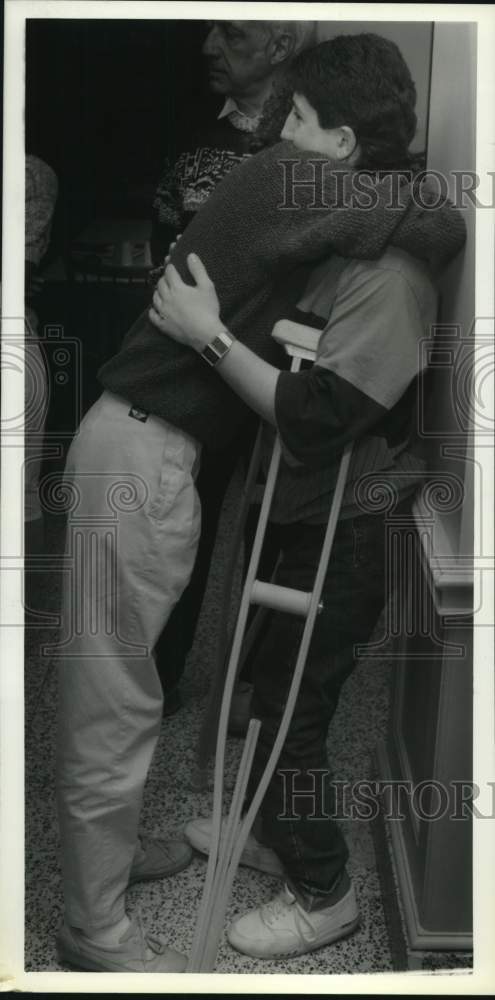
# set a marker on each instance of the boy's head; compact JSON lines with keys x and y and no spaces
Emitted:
{"x":353,"y":101}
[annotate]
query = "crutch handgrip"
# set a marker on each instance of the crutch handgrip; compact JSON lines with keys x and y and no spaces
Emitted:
{"x":270,"y":595}
{"x":298,"y":340}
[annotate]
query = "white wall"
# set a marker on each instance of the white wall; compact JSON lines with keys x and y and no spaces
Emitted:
{"x":442,"y":60}
{"x":452,"y":146}
{"x":414,"y":41}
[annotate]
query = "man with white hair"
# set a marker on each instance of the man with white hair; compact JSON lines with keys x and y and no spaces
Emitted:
{"x":245,"y":60}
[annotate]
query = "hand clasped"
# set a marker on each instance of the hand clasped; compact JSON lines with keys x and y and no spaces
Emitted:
{"x":188,"y":313}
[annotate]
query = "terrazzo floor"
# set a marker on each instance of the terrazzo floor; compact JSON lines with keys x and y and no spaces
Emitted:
{"x":169,"y":906}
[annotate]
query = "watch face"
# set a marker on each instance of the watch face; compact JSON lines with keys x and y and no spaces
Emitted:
{"x":219,"y":346}
{"x":210,"y":355}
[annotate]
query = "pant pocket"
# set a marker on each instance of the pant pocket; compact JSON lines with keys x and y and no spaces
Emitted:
{"x":172,"y":481}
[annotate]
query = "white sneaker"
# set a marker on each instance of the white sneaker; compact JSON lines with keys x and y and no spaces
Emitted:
{"x":282,"y":927}
{"x":137,"y":951}
{"x":254,"y":855}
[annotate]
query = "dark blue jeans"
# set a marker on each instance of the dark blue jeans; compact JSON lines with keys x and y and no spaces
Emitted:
{"x":300,"y":828}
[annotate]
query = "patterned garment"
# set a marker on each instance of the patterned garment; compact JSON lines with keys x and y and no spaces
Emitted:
{"x":40,"y":198}
{"x":186,"y":185}
{"x":41,"y":195}
{"x":204,"y":157}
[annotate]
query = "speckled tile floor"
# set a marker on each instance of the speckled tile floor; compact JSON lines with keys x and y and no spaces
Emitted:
{"x":169,"y":906}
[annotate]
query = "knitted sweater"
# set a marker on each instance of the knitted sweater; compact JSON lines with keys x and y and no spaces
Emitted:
{"x":207,"y":153}
{"x":253,"y":248}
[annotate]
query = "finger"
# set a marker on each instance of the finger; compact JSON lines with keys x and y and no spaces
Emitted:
{"x":198,"y":271}
{"x":155,"y":317}
{"x":158,"y":301}
{"x":171,"y":248}
{"x":162,"y":287}
{"x":173,"y":277}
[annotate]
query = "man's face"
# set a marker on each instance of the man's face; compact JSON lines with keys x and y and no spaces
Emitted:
{"x":238,"y":55}
{"x":302,"y":127}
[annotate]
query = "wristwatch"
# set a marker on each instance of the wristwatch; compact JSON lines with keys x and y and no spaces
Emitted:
{"x":217,"y":348}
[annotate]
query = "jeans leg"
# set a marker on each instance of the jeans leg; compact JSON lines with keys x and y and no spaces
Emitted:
{"x":300,"y":827}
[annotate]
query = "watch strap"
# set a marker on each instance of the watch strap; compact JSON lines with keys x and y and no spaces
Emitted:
{"x":217,"y":348}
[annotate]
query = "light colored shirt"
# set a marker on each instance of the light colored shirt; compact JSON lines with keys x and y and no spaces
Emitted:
{"x":375,"y":317}
{"x":239,"y":119}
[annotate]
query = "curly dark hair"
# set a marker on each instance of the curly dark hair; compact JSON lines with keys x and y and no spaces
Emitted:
{"x":356,"y":80}
{"x":275,"y":111}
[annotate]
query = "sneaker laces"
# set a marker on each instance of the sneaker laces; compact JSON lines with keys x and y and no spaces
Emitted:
{"x":151,"y":941}
{"x":141,"y":849}
{"x":277,"y":906}
{"x":145,"y":843}
{"x":155,"y":944}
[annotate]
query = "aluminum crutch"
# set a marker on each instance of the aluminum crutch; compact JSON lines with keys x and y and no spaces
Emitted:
{"x":228,"y":843}
{"x":300,"y":343}
{"x":209,"y":726}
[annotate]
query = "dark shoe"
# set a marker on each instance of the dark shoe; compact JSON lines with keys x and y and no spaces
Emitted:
{"x":172,"y":702}
{"x":158,"y":858}
{"x":240,"y":709}
{"x":137,"y":951}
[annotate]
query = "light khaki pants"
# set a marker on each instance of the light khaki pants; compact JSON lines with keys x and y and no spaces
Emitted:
{"x":132,"y":536}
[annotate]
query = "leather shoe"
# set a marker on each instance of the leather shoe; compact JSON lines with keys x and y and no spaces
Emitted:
{"x":172,"y":702}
